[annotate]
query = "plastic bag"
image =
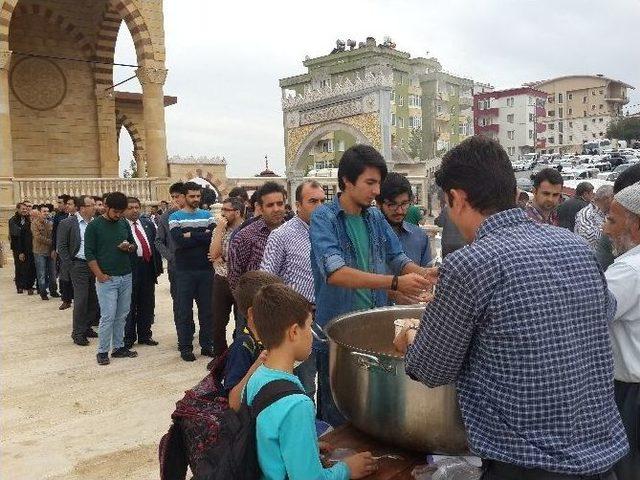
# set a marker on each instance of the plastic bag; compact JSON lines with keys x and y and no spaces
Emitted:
{"x":451,"y":468}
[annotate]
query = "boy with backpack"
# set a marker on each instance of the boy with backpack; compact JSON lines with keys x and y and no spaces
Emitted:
{"x":286,"y":441}
{"x":246,"y":352}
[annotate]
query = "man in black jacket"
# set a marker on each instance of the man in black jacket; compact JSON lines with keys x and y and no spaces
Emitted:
{"x":22,"y":247}
{"x":567,"y":211}
{"x":146,"y":266}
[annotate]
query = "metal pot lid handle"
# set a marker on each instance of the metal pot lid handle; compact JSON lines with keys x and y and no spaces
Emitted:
{"x":318,"y":333}
{"x":369,"y":361}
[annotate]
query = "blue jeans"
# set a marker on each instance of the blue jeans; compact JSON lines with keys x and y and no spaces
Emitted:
{"x":43,"y":272}
{"x":114,"y":297}
{"x":306,"y":373}
{"x":327,"y":409}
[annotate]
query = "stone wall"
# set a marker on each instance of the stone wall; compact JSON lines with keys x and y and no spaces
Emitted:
{"x":52,"y":104}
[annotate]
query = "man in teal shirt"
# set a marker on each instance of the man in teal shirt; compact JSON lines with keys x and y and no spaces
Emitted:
{"x":108,"y":241}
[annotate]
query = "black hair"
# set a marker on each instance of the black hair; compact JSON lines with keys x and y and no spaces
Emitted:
{"x":18,"y":205}
{"x":74,"y":199}
{"x":79,"y":201}
{"x":133,"y":200}
{"x":239,"y":192}
{"x":270,"y":187}
{"x":177,"y":187}
{"x":627,"y":178}
{"x":395,"y":184}
{"x":312,"y":183}
{"x":481,"y":168}
{"x":192,"y":186}
{"x":550,"y":175}
{"x":253,"y":200}
{"x":96,"y":198}
{"x":64,"y":197}
{"x":355,"y":159}
{"x":236,"y":203}
{"x":116,"y":200}
{"x":582,"y":188}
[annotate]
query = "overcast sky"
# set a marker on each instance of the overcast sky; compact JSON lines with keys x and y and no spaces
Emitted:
{"x":225,"y":58}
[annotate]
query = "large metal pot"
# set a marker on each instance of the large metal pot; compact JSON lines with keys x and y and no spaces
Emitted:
{"x":372,"y":390}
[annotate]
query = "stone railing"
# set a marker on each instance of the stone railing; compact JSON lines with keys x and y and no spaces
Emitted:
{"x":40,"y":190}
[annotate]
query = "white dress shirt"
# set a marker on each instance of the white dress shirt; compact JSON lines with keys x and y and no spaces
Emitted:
{"x":82,"y":223}
{"x":135,"y":237}
{"x":623,"y":278}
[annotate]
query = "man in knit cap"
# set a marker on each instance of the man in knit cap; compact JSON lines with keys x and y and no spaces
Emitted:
{"x":623,"y":277}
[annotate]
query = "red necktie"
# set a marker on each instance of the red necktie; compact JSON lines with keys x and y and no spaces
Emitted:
{"x":146,"y":251}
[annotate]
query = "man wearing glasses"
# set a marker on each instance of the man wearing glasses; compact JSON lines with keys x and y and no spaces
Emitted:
{"x":394,"y":201}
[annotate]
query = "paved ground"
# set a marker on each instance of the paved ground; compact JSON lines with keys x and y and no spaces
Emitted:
{"x":65,"y":417}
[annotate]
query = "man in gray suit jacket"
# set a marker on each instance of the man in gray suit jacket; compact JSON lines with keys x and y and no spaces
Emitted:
{"x":70,"y":245}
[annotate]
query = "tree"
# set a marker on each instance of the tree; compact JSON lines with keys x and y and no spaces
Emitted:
{"x":416,"y":149}
{"x":625,"y":128}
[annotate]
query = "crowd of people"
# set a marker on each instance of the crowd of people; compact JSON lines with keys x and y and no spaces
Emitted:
{"x":536,"y":325}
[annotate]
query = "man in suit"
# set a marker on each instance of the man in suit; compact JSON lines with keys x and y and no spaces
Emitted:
{"x":22,"y":246}
{"x":146,"y":265}
{"x":73,"y":265}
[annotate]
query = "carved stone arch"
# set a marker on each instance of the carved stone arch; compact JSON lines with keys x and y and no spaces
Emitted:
{"x":137,"y":26}
{"x":6,"y":12}
{"x":321,"y":130}
{"x":106,"y":45}
{"x":57,"y":19}
{"x":136,"y":137}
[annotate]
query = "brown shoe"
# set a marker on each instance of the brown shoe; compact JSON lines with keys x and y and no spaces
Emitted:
{"x":30,"y":291}
{"x":64,"y":306}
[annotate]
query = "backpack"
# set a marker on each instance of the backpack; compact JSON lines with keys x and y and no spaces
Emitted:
{"x":210,"y":437}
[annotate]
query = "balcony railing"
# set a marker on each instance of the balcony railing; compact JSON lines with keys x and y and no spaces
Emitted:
{"x":616,"y":99}
{"x":488,"y":112}
{"x":488,"y":128}
{"x":40,"y":190}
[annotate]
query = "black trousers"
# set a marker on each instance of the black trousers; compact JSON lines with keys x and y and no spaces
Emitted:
{"x":85,"y":306}
{"x":194,"y":285}
{"x":493,"y":470}
{"x":173,"y":290}
{"x":25,"y":272}
{"x":223,"y":300}
{"x":628,"y":401}
{"x":143,"y":301}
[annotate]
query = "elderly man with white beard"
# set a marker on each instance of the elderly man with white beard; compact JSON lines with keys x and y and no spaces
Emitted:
{"x":623,"y":277}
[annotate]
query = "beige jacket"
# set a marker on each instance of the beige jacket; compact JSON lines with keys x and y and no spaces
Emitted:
{"x":42,"y":232}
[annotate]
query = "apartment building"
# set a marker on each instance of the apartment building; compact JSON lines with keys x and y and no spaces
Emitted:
{"x":579,"y":108}
{"x":513,"y":117}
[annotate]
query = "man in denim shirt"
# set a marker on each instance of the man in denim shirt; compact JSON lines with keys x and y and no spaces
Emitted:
{"x":352,"y":249}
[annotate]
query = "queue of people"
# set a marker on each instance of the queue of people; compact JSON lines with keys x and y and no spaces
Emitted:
{"x":541,"y":342}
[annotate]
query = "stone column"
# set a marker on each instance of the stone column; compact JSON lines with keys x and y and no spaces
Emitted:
{"x":107,"y":134}
{"x":152,"y":80}
{"x":294,"y":178}
{"x":6,"y":148}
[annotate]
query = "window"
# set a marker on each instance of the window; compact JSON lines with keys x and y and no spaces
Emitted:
{"x":570,"y":124}
{"x":439,"y":109}
{"x":532,"y":117}
{"x":584,"y":113}
{"x":600,"y":92}
{"x":570,"y":112}
{"x":341,"y":146}
{"x":560,"y":112}
{"x":593,"y":93}
{"x":551,"y":113}
{"x":325,"y":83}
{"x":552,"y":140}
{"x":550,"y":99}
{"x":510,"y":102}
{"x":593,"y":107}
{"x":511,"y":151}
{"x":511,"y":134}
{"x":600,"y":134}
{"x":569,"y":96}
{"x":393,"y":96}
{"x":415,"y":122}
{"x":393,"y":119}
{"x":559,"y":98}
{"x":401,"y":101}
{"x":325,"y":146}
{"x":400,"y":122}
{"x":560,"y":139}
{"x":402,"y":143}
{"x":600,"y":106}
{"x":560,"y":127}
{"x":584,"y":128}
{"x":510,"y":118}
{"x":480,"y":105}
{"x":593,"y":120}
{"x":570,"y":138}
{"x":552,"y":126}
{"x":593,"y":135}
{"x":584,"y":99}
{"x":600,"y":120}
{"x":530,"y":134}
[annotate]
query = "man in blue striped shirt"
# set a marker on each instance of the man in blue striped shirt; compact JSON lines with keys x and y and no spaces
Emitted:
{"x":191,"y":229}
{"x":288,"y":256}
{"x":519,"y":322}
